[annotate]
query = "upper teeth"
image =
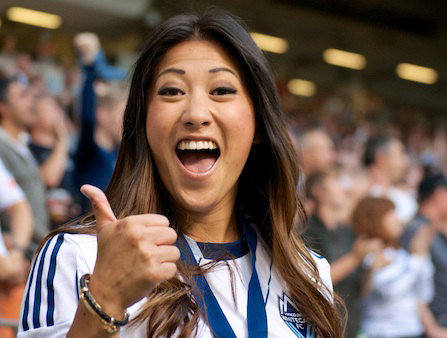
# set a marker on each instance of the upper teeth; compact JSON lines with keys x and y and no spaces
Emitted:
{"x":196,"y":145}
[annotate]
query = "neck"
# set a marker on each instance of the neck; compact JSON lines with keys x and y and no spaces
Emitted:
{"x":379,"y":177}
{"x":217,"y":226}
{"x":328,"y":215}
{"x":43,"y":138}
{"x":13,"y":129}
{"x":104,"y":140}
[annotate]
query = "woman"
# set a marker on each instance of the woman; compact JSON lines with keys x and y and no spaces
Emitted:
{"x":205,"y":163}
{"x":399,"y":284}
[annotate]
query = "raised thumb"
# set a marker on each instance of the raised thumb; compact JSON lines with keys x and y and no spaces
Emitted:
{"x":101,"y":206}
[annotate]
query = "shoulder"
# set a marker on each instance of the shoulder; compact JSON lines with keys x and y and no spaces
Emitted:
{"x":52,"y":294}
{"x":410,"y":231}
{"x":324,"y":269}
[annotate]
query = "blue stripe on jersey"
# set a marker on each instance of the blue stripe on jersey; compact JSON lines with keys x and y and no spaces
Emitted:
{"x":38,"y":290}
{"x":268,"y":284}
{"x":50,"y":280}
{"x":26,"y":305}
{"x":77,"y":285}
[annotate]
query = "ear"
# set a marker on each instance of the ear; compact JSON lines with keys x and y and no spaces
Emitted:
{"x":3,"y":108}
{"x":380,"y":158}
{"x":317,"y":193}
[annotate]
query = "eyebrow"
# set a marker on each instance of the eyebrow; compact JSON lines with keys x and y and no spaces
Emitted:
{"x":222,"y":69}
{"x":172,"y":70}
{"x":182,"y":72}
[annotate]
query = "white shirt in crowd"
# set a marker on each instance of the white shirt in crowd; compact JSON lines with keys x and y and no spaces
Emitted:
{"x":394,"y":291}
{"x":10,"y":194}
{"x":406,"y":204}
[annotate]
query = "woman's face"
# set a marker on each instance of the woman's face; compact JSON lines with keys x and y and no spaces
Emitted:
{"x":200,"y":125}
{"x":392,"y":224}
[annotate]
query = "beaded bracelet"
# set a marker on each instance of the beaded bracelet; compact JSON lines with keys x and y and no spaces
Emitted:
{"x":111,"y":323}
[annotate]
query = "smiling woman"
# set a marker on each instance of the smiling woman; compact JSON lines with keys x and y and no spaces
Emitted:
{"x":206,"y":173}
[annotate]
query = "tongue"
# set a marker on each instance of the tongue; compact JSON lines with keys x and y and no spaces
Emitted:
{"x":198,"y":162}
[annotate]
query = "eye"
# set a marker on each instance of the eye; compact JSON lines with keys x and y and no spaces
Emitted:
{"x":223,"y":91}
{"x":170,"y":91}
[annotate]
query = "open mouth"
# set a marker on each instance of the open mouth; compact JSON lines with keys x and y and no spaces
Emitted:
{"x":198,"y":156}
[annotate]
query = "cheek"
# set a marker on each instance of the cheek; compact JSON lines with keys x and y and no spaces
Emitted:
{"x":241,"y":123}
{"x":156,"y":124}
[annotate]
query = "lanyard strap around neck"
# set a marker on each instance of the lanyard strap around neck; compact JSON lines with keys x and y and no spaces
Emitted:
{"x":256,"y":316}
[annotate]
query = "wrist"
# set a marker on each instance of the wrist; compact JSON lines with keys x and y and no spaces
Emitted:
{"x":357,"y":257}
{"x":18,"y":249}
{"x":106,"y":298}
{"x":110,"y":322}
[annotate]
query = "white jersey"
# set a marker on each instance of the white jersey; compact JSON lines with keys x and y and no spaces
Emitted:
{"x":10,"y":194}
{"x":390,"y":309}
{"x":52,"y":292}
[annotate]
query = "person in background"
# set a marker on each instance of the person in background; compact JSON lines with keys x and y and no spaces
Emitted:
{"x":13,"y":202}
{"x":432,"y":214}
{"x":100,"y":119}
{"x":316,"y":150}
{"x":13,"y":261}
{"x":50,"y":147}
{"x":386,"y":164}
{"x":398,"y":284}
{"x":8,"y":54}
{"x":16,"y":117}
{"x":337,"y":242}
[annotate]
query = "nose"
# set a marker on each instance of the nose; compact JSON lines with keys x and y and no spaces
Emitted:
{"x":197,"y":113}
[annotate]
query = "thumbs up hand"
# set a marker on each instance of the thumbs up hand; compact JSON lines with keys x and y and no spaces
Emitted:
{"x":135,"y":254}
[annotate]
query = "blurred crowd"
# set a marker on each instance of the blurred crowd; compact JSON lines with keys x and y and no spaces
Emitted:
{"x":376,"y":198}
{"x":373,"y":179}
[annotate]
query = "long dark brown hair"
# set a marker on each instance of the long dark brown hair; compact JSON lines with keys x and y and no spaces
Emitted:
{"x":267,"y":187}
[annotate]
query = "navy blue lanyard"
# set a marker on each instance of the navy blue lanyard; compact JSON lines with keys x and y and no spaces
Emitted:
{"x":256,"y":316}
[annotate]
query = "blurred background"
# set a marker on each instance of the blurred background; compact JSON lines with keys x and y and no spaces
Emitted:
{"x":363,"y":84}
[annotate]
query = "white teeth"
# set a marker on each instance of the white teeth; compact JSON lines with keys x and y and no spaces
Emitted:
{"x":199,"y":145}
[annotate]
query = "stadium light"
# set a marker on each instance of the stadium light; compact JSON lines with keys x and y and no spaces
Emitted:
{"x":416,"y":73}
{"x":301,"y":87}
{"x":35,"y":18}
{"x":270,"y":43}
{"x":343,"y":58}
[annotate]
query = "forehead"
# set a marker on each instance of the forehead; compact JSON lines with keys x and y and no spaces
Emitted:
{"x":193,"y":54}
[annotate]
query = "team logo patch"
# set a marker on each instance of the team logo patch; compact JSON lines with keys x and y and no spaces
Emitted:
{"x":293,"y":319}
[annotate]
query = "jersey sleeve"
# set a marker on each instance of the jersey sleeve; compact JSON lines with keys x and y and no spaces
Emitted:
{"x":52,"y":294}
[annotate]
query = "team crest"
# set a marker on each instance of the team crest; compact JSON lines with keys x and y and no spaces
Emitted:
{"x":293,"y":319}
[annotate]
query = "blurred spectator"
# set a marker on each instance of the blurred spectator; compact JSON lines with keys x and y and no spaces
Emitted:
{"x":50,"y":147}
{"x":398,"y":283}
{"x":100,"y":123}
{"x":337,"y":242}
{"x":16,"y":117}
{"x":8,"y":55}
{"x":13,"y":202}
{"x":13,"y":260}
{"x":23,"y":67}
{"x":316,"y":150}
{"x":432,"y":214}
{"x":387,"y":164}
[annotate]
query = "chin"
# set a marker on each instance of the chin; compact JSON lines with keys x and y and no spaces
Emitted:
{"x":197,"y":202}
{"x":196,"y":205}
